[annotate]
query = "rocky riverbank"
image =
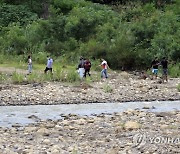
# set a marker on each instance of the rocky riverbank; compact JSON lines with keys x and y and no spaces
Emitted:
{"x":129,"y":132}
{"x":119,"y":87}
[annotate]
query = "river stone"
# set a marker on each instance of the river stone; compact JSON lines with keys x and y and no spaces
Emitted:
{"x":55,"y":151}
{"x":43,"y":132}
{"x":142,"y":114}
{"x":130,"y":125}
{"x":60,"y":138}
{"x":90,"y":121}
{"x":46,"y":141}
{"x":164,"y":126}
{"x":65,"y":122}
{"x":50,"y":125}
{"x":30,"y":129}
{"x":58,"y":127}
{"x":81,"y":122}
{"x":129,"y":111}
{"x":146,"y":107}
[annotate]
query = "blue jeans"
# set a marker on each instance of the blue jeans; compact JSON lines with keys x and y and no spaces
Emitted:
{"x":104,"y":73}
{"x":30,"y":68}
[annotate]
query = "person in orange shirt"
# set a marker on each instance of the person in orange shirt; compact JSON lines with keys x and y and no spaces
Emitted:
{"x":104,"y":68}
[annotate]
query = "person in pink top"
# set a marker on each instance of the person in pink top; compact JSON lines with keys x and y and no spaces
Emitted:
{"x":104,"y":68}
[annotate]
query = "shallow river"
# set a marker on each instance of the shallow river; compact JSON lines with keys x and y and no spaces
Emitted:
{"x":10,"y":115}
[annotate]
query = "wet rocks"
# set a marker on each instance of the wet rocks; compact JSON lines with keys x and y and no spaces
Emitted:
{"x":115,"y":133}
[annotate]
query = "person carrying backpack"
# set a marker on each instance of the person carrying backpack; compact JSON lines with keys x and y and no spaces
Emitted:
{"x":87,"y":67}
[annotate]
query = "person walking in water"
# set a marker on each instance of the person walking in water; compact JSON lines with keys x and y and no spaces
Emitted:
{"x":164,"y":64}
{"x":87,"y":67}
{"x":104,"y":68}
{"x":49,"y":65}
{"x":29,"y":64}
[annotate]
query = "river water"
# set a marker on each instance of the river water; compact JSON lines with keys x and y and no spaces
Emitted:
{"x":10,"y":115}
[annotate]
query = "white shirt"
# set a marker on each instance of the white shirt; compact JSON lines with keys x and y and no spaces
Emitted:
{"x":49,"y":63}
{"x":29,"y":61}
{"x":104,"y":64}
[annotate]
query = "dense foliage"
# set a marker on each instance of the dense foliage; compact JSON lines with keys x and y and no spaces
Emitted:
{"x":128,"y":33}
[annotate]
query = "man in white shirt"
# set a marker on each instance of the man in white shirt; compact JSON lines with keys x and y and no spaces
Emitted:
{"x":49,"y":65}
{"x":104,"y":68}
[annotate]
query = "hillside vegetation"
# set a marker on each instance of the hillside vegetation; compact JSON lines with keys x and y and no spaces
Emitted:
{"x":128,"y":33}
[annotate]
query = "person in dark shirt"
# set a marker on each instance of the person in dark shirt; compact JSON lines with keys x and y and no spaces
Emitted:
{"x":154,"y":65}
{"x":87,"y":66}
{"x":164,"y":64}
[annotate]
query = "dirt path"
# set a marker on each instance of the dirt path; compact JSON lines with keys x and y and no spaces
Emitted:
{"x":10,"y":70}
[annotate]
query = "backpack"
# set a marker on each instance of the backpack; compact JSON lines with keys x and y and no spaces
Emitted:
{"x":87,"y":64}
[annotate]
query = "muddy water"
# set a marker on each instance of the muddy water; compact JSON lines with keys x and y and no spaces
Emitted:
{"x":23,"y":115}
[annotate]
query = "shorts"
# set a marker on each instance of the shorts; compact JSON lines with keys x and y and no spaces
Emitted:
{"x":165,"y":71}
{"x":155,"y":71}
{"x":48,"y":69}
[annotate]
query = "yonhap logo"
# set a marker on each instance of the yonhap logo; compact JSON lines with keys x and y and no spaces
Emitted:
{"x":139,"y":140}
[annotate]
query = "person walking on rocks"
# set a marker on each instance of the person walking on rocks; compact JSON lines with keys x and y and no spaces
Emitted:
{"x":87,"y":67}
{"x":164,"y":64}
{"x":104,"y":68}
{"x":154,"y":65}
{"x":49,"y":65}
{"x":29,"y":64}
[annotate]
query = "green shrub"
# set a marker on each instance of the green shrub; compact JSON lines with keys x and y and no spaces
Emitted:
{"x":174,"y":70}
{"x":34,"y":77}
{"x":16,"y":13}
{"x":72,"y":76}
{"x":40,"y":57}
{"x":47,"y":77}
{"x":59,"y":74}
{"x":3,"y":77}
{"x":3,"y":58}
{"x":107,"y":88}
{"x":178,"y":87}
{"x":65,"y":74}
{"x":17,"y":78}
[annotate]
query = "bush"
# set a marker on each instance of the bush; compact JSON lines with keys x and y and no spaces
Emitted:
{"x":17,"y":78}
{"x":40,"y":57}
{"x":178,"y":87}
{"x":72,"y":76}
{"x":121,"y":55}
{"x":174,"y":70}
{"x":3,"y":78}
{"x":35,"y":77}
{"x":59,"y":74}
{"x":65,"y":75}
{"x":15,"y":13}
{"x":107,"y":88}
